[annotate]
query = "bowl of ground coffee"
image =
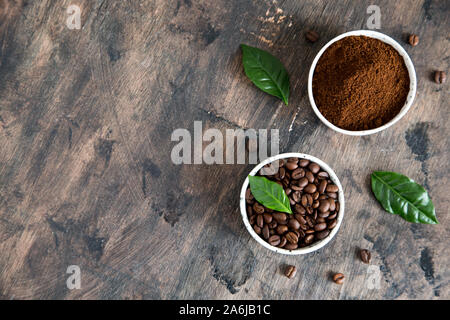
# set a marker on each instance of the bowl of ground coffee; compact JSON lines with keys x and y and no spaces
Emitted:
{"x":361,"y":82}
{"x":316,"y":199}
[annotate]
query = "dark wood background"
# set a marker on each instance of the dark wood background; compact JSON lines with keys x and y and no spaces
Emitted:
{"x":85,"y":172}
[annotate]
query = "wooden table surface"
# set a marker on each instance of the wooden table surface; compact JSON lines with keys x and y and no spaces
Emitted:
{"x":86,"y":177}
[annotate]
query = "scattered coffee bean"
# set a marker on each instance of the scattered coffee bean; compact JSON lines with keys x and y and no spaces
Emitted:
{"x":365,"y":255}
{"x":413,"y":40}
{"x":440,"y":77}
{"x":312,"y":36}
{"x":290,"y":271}
{"x":314,"y":200}
{"x":338,"y":278}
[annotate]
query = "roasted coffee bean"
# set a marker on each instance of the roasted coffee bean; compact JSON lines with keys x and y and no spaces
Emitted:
{"x":315,"y":215}
{"x":304,"y":201}
{"x":273,"y":224}
{"x":266,"y":232}
{"x":332,"y":195}
{"x":309,"y":210}
{"x":258,"y":208}
{"x":440,"y":77}
{"x":291,"y":246}
{"x":332,"y":188}
{"x":332,"y":216}
{"x":290,"y":271}
{"x":324,"y":206}
{"x":291,"y":237}
{"x":288,"y":191}
{"x":324,"y":214}
{"x":294,"y":224}
{"x":293,"y":159}
{"x":260,"y":221}
{"x":337,"y":206}
{"x":322,"y":186}
{"x":291,"y":165}
{"x":320,"y":226}
{"x":365,"y":255}
{"x":292,"y":201}
{"x":299,"y":209}
{"x":312,"y":36}
{"x":413,"y":40}
{"x":249,"y":210}
{"x":309,"y":199}
{"x":309,"y":238}
{"x":279,"y":216}
{"x":249,"y":197}
{"x":267,"y":218}
{"x":300,"y":218}
{"x":314,"y":167}
{"x":332,"y":204}
{"x":323,"y":197}
{"x":282,"y":173}
{"x":309,"y":176}
{"x":274,"y":240}
{"x":303,"y":227}
{"x":303,"y":182}
{"x":315,"y":204}
{"x":332,"y":224}
{"x":322,"y":234}
{"x":298,"y":173}
{"x":310,"y":231}
{"x":316,"y":195}
{"x":282,"y":229}
{"x":338,"y":278}
{"x":303,"y":163}
{"x":282,"y":242}
{"x":320,"y":220}
{"x":296,"y":188}
{"x":322,"y":175}
{"x":310,"y":222}
{"x":296,"y":196}
{"x":310,"y":188}
{"x":257,"y":229}
{"x":252,"y":219}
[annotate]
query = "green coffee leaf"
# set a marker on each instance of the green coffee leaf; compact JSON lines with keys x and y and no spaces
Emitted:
{"x":266,"y":72}
{"x":270,"y":194}
{"x":400,"y":195}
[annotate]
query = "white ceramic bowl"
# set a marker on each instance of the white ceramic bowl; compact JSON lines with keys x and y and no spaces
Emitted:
{"x":409,"y":66}
{"x":315,"y":246}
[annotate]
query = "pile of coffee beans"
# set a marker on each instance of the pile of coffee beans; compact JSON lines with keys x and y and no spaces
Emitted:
{"x":314,"y":203}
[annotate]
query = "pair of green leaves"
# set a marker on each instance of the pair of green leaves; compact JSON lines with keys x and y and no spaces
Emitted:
{"x":266,"y":72}
{"x":397,"y":194}
{"x":270,"y":194}
{"x":400,"y":195}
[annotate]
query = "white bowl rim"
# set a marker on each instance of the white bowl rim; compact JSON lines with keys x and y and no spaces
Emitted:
{"x":315,"y":246}
{"x":409,"y":65}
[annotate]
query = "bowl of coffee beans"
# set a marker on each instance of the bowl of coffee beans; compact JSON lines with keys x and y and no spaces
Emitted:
{"x":292,"y":203}
{"x":361,"y":82}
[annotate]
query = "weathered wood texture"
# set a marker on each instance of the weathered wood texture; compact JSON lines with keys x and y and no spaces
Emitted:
{"x":85,"y":172}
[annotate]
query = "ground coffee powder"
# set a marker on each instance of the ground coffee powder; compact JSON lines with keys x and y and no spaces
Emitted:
{"x":360,"y":83}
